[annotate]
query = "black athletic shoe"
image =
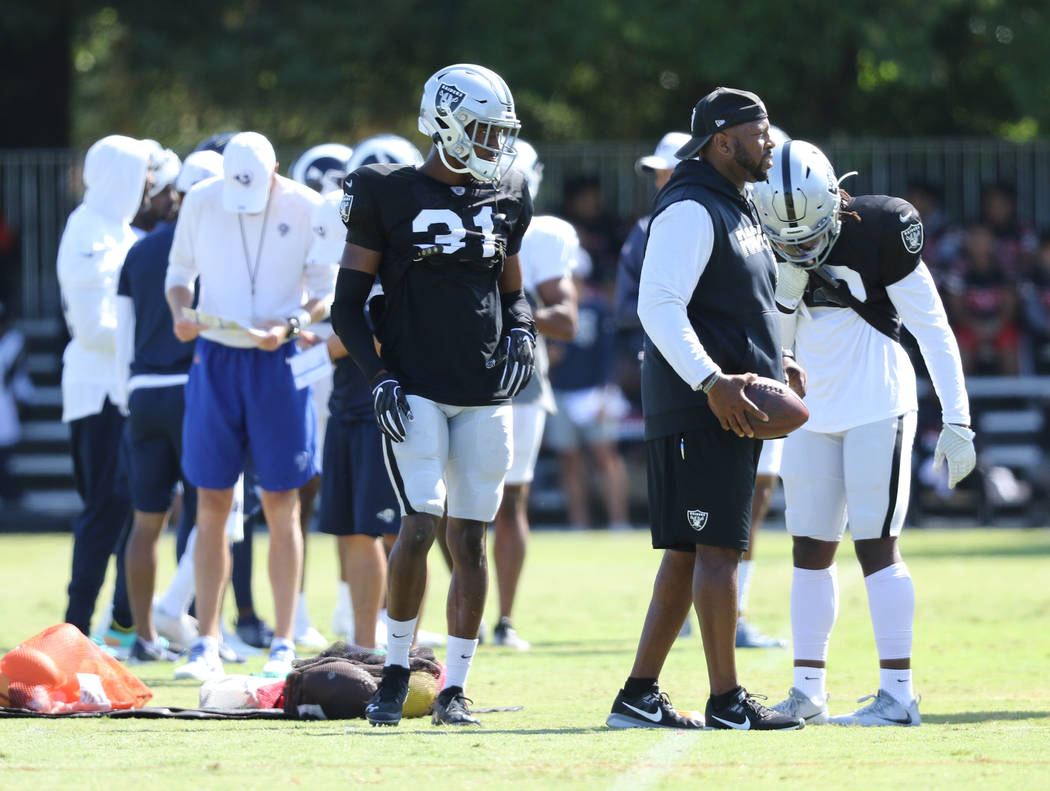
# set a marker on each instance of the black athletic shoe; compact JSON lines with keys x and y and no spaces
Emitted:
{"x":254,"y":632}
{"x":745,"y":713}
{"x":384,"y":707}
{"x":651,"y":710}
{"x":450,"y":708}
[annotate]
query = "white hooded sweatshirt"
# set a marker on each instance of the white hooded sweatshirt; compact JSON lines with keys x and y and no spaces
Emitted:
{"x":96,"y":239}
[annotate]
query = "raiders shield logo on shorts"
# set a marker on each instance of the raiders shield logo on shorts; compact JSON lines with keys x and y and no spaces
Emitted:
{"x":697,"y":519}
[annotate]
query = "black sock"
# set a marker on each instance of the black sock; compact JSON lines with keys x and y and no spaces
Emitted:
{"x":726,"y":698}
{"x":636,"y":687}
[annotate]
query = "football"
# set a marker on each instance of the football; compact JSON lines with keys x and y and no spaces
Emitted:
{"x":783,"y":406}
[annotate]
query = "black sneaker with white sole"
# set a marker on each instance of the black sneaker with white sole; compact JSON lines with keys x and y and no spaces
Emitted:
{"x":651,"y":710}
{"x":743,"y":712}
{"x":450,"y":708}
{"x":384,"y":707}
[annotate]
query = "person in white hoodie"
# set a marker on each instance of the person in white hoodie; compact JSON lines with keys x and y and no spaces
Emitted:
{"x":96,"y":238}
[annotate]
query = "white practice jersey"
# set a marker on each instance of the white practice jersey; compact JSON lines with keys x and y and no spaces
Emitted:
{"x":548,"y":252}
{"x":857,"y":374}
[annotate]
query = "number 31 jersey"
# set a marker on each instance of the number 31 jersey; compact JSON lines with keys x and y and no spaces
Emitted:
{"x":443,"y":248}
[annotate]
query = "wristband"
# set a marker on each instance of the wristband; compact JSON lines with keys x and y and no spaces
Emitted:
{"x":709,"y":382}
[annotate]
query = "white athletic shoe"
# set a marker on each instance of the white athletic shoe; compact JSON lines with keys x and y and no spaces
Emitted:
{"x":180,"y":630}
{"x":799,"y":704}
{"x":202,"y":664}
{"x":310,"y":638}
{"x":884,"y":709}
{"x":280,"y":661}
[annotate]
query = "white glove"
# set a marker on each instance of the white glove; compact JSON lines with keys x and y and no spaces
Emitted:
{"x":956,"y":445}
{"x":791,"y":284}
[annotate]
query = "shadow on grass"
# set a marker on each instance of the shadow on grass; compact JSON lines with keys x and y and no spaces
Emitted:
{"x":462,"y":731}
{"x":969,"y":717}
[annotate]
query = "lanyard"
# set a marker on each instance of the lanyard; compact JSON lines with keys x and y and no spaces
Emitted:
{"x":253,"y":271}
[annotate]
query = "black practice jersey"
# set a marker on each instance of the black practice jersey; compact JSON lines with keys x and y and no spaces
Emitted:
{"x":876,"y":251}
{"x":443,"y":249}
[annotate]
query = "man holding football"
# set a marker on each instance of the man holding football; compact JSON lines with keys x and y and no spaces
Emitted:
{"x":705,"y":300}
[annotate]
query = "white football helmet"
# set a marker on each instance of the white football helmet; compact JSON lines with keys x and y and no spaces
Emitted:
{"x":528,"y":163}
{"x":323,"y":167}
{"x":384,"y":148}
{"x":798,"y":204}
{"x":468,"y":112}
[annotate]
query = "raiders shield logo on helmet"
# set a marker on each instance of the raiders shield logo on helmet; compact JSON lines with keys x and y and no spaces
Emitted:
{"x":448,"y":98}
{"x":697,"y":519}
{"x":912,"y":237}
{"x":344,"y":208}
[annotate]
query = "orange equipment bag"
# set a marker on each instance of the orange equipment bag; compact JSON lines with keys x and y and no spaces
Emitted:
{"x":60,"y":670}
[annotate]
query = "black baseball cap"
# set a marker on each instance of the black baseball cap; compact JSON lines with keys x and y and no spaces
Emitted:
{"x":720,"y":109}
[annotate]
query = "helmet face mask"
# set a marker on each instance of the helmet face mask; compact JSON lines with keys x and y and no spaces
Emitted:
{"x":799,"y":204}
{"x":468,"y":112}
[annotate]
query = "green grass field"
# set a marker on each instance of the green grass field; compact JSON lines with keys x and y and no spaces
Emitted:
{"x":982,"y":660}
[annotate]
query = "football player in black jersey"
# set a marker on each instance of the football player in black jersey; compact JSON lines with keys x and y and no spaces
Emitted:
{"x":850,"y":275}
{"x":457,"y":339}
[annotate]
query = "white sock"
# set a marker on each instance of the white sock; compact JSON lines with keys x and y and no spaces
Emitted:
{"x":743,"y":585}
{"x":281,"y":642}
{"x":399,"y":636}
{"x":891,"y":602}
{"x":898,"y":684}
{"x":210,"y":644}
{"x":302,"y":615}
{"x":814,"y":608}
{"x":342,"y":598}
{"x":812,"y":681}
{"x":177,"y":598}
{"x":457,"y":662}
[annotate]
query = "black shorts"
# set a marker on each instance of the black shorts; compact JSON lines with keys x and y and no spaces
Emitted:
{"x":356,"y":495}
{"x":700,"y":488}
{"x":154,"y":432}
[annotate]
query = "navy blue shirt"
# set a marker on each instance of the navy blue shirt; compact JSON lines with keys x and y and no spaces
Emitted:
{"x":157,"y":350}
{"x":351,"y":397}
{"x":590,"y":360}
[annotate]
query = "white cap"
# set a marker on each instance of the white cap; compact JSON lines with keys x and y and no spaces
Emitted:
{"x":248,"y":164}
{"x":198,"y":166}
{"x":528,"y":162}
{"x":663,"y":157}
{"x":329,"y":231}
{"x":165,"y":166}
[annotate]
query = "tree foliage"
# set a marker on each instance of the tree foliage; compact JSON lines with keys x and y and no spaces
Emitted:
{"x":580,"y":69}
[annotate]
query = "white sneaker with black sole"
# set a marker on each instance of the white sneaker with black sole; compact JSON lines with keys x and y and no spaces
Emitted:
{"x":745,"y":713}
{"x":799,"y":704}
{"x":883,"y":710}
{"x":651,"y":710}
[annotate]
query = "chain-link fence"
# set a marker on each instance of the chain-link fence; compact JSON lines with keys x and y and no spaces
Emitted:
{"x":38,"y":189}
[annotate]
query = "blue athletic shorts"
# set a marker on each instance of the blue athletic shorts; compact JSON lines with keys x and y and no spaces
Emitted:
{"x":240,"y":400}
{"x":356,"y":496}
{"x":154,"y":432}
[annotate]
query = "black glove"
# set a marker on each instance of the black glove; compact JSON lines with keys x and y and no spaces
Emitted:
{"x":390,"y":403}
{"x":520,"y":363}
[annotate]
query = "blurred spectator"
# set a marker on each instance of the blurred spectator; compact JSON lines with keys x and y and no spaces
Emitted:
{"x":1035,"y":306}
{"x":597,"y":227}
{"x":983,"y":303}
{"x":10,"y":271}
{"x":943,"y":239}
{"x":657,"y":166}
{"x":161,"y":203}
{"x":15,"y":388}
{"x":590,"y":406}
{"x":1015,"y":241}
